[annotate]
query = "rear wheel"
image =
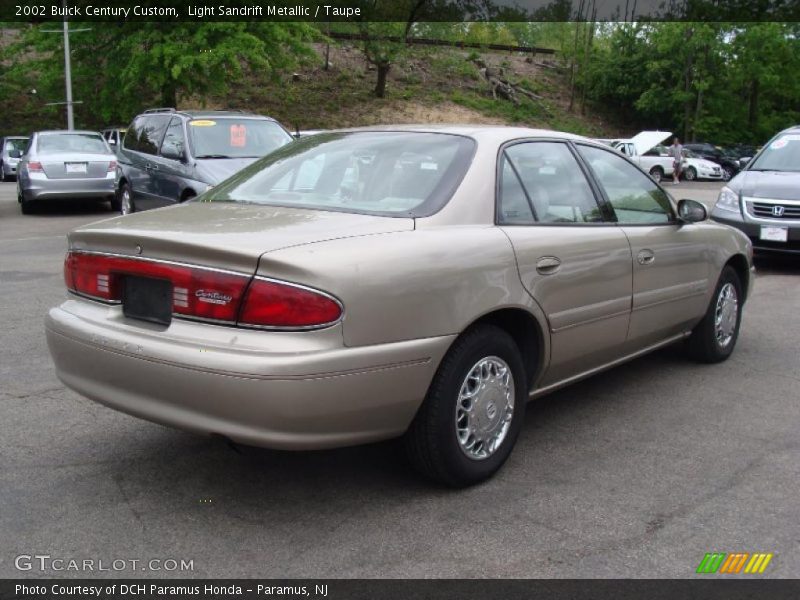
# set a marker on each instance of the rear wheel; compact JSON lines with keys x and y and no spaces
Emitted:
{"x":3,"y":175}
{"x":25,"y":207}
{"x":471,"y":417}
{"x":727,"y":173}
{"x":657,"y":173}
{"x":690,"y":174}
{"x":125,"y":200}
{"x":714,"y":338}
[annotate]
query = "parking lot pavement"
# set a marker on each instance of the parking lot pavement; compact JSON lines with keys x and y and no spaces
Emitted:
{"x":637,"y":472}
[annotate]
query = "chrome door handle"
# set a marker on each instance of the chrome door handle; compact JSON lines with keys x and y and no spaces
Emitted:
{"x":547,"y":265}
{"x":646,"y":257}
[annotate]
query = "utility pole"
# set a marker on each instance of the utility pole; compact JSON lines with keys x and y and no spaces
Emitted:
{"x":67,"y":69}
{"x":68,"y":73}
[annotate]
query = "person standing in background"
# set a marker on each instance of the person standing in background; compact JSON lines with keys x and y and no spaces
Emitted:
{"x":676,"y":152}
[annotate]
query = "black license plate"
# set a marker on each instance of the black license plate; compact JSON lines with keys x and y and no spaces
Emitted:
{"x":147,"y":299}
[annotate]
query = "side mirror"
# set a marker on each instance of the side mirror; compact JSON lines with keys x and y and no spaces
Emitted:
{"x":15,"y":153}
{"x":691,"y":211}
{"x":744,"y":160}
{"x":172,"y":150}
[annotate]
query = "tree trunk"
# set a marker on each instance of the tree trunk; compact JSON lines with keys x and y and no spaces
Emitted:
{"x":687,"y":87}
{"x":169,"y":96}
{"x":698,"y":107}
{"x":752,"y":113}
{"x":574,"y":57}
{"x":380,"y":86}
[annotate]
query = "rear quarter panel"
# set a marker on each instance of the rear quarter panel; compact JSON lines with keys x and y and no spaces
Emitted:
{"x":409,"y":285}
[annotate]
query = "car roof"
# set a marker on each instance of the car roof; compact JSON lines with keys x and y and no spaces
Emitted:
{"x":57,"y":131}
{"x":792,"y":129}
{"x":16,"y":137}
{"x":194,"y":114}
{"x":498,"y":133}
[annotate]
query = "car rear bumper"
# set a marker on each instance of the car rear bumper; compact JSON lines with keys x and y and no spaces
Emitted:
{"x":753,"y":231}
{"x":55,"y":189}
{"x":321,"y":398}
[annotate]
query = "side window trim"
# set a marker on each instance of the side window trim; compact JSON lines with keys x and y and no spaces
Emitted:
{"x":514,"y":170}
{"x":609,"y":217}
{"x":673,"y":219}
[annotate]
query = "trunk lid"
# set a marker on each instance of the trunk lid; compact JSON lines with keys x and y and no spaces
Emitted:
{"x":645,"y":140}
{"x":224,"y":235}
{"x":84,"y":166}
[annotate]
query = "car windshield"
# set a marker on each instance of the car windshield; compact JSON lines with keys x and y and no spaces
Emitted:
{"x":386,"y":173}
{"x":782,"y":154}
{"x":225,"y":137}
{"x":16,"y":144}
{"x":56,"y":143}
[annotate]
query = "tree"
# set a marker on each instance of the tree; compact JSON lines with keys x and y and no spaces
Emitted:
{"x":120,"y":68}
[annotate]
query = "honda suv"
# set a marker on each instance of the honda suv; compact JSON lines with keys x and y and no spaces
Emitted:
{"x":168,"y":156}
{"x":764,"y":199}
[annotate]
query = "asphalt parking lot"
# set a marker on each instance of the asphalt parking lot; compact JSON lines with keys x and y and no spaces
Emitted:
{"x":637,"y":472}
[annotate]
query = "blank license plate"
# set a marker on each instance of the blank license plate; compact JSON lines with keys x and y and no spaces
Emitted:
{"x":774,"y":234}
{"x":147,"y":299}
{"x":75,"y":167}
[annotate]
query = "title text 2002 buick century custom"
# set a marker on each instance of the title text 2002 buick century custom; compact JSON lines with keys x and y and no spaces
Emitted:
{"x":362,"y":285}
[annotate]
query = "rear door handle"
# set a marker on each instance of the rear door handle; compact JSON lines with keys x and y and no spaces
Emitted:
{"x":646,"y":257}
{"x":152,"y":166}
{"x":547,"y":265}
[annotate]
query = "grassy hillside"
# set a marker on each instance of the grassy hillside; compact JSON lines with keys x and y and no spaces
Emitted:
{"x":427,"y":85}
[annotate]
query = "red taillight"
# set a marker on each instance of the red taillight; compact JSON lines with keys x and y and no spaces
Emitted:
{"x":35,"y":167}
{"x":112,"y":166}
{"x":275,"y":304}
{"x":205,"y":293}
{"x":197,"y":292}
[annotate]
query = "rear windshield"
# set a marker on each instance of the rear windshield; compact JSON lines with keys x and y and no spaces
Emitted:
{"x":385,"y":173}
{"x":55,"y":143}
{"x":235,"y":138}
{"x":782,"y":154}
{"x":16,"y":144}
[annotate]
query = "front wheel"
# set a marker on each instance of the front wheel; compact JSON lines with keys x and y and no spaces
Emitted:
{"x":727,"y":173}
{"x":471,"y":417}
{"x":690,"y":174}
{"x":714,"y":338}
{"x":657,"y":173}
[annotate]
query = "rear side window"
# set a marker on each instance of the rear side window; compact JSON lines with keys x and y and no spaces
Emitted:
{"x":634,"y":196}
{"x":550,"y":182}
{"x":146,"y":133}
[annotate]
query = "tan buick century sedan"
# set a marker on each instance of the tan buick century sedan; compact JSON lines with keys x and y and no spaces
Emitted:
{"x":423,"y":282}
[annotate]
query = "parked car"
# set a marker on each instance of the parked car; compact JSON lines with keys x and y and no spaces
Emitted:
{"x":640,"y":150}
{"x":465,"y":271}
{"x":170,"y":156}
{"x":695,"y":167}
{"x":11,"y":150}
{"x":728,"y":163}
{"x":65,"y":165}
{"x":763,"y":200}
{"x":114,"y":137}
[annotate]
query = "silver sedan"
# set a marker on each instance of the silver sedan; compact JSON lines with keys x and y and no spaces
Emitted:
{"x":66,"y":165}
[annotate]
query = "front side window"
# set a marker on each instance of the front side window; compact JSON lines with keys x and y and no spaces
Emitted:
{"x":226,"y":137}
{"x":388,"y":173}
{"x":174,"y":141}
{"x":551,"y":181}
{"x":634,"y":196}
{"x":56,"y":143}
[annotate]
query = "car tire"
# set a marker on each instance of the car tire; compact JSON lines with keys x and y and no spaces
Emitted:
{"x":461,"y":436}
{"x":657,"y":173}
{"x":27,"y":208}
{"x":690,"y":174}
{"x":3,"y":176}
{"x":727,"y":173}
{"x":124,"y":200}
{"x":714,"y":338}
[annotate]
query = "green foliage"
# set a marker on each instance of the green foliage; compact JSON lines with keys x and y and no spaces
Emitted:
{"x":120,"y":68}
